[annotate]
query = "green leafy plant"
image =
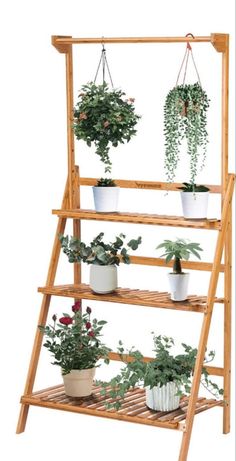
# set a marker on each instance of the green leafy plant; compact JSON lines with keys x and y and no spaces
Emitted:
{"x":98,"y":252}
{"x":185,"y":117}
{"x":74,"y":341}
{"x":189,"y":187}
{"x":106,"y":182}
{"x":104,"y":117}
{"x":177,"y":250}
{"x":160,"y":370}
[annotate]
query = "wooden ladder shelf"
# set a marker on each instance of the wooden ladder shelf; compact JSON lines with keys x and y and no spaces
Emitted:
{"x":133,"y":408}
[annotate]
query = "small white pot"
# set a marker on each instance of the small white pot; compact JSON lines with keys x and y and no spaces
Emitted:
{"x":163,"y":398}
{"x":178,"y":286}
{"x":103,"y":279}
{"x":78,"y":383}
{"x":194,"y":204}
{"x":106,"y":198}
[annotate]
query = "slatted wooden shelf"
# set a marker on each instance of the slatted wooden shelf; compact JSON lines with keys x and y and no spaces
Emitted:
{"x":128,"y":296}
{"x":140,"y":218}
{"x":133,"y":408}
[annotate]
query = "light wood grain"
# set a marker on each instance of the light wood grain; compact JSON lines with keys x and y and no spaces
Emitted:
{"x":139,"y":218}
{"x":147,"y":185}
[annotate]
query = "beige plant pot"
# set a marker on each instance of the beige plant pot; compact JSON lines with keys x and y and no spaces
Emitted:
{"x":103,"y":279}
{"x":78,"y":383}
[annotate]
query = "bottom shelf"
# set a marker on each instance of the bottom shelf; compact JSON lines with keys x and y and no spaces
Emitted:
{"x":133,"y":409}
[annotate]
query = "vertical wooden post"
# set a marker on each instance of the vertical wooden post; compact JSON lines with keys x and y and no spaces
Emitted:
{"x":228,"y":240}
{"x":70,"y":133}
{"x":77,"y":224}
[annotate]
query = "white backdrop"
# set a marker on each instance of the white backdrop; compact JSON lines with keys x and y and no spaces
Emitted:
{"x":33,"y":173}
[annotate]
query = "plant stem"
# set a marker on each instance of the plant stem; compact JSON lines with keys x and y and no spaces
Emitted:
{"x":177,"y":269}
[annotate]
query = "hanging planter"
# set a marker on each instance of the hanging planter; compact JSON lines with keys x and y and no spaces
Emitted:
{"x":104,"y":117}
{"x":185,"y":118}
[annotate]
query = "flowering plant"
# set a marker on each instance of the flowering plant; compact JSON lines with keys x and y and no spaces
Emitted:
{"x":105,"y":118}
{"x":75,"y":340}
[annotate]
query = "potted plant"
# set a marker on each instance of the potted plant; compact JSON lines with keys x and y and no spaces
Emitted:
{"x":75,"y":343}
{"x":103,"y":258}
{"x":194,"y":200}
{"x":106,"y":194}
{"x":165,"y":377}
{"x":177,"y":250}
{"x":185,"y":117}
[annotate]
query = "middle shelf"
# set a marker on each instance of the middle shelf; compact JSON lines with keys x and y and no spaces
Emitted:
{"x":193,"y":303}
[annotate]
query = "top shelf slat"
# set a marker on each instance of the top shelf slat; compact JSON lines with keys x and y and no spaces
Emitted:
{"x":74,"y":40}
{"x":140,"y":218}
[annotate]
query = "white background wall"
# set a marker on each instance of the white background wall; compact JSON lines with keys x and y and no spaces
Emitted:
{"x":33,"y":172}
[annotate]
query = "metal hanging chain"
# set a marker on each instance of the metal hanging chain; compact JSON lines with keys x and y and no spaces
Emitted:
{"x":103,"y":62}
{"x":188,"y":51}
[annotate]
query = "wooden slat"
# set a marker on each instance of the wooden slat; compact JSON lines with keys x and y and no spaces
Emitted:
{"x":193,"y":265}
{"x":215,"y":371}
{"x":148,"y":185}
{"x":139,"y":218}
{"x":129,"y":296}
{"x":133,"y":407}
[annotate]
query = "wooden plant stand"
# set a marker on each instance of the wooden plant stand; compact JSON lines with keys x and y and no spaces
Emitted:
{"x":134,"y":408}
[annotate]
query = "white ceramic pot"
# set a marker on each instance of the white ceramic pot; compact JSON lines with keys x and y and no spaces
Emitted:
{"x":194,"y":204}
{"x":106,"y":198}
{"x":163,"y":398}
{"x":103,"y":279}
{"x":178,"y":286}
{"x":78,"y":383}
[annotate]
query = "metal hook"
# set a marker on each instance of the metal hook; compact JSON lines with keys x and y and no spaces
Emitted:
{"x":188,"y":44}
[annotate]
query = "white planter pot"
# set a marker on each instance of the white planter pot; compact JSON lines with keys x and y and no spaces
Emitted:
{"x":106,"y":198}
{"x":194,"y":204}
{"x":78,"y":383}
{"x":162,"y":398}
{"x":178,"y":286}
{"x":103,"y":279}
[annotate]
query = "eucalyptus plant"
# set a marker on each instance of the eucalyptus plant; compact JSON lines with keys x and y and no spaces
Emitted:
{"x":98,"y":252}
{"x":177,"y":250}
{"x":185,"y":117}
{"x":163,"y":368}
{"x":104,"y":117}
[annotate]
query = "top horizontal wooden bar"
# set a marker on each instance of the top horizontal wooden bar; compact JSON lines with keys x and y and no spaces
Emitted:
{"x":73,"y":40}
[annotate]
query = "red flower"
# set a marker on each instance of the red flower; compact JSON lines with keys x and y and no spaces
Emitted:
{"x":91,"y":333}
{"x":65,"y":320}
{"x":77,"y":306}
{"x":88,"y":325}
{"x":88,"y":310}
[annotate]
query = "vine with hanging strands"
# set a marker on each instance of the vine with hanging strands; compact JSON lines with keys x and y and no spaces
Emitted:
{"x":185,"y":117}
